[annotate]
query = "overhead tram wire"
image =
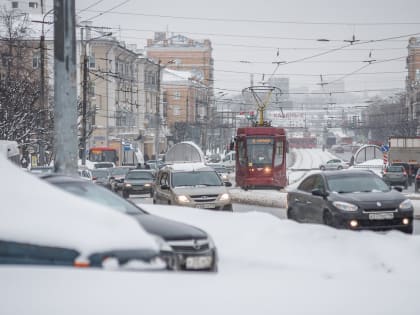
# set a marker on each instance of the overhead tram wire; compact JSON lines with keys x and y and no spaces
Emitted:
{"x":108,"y":11}
{"x":88,"y":7}
{"x":256,"y":21}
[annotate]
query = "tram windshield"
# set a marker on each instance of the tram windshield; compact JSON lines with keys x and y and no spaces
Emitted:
{"x":260,"y":150}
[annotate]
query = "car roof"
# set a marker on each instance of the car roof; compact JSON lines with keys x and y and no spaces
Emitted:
{"x":188,"y":167}
{"x":345,"y":173}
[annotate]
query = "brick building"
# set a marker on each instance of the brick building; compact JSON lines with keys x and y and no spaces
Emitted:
{"x":413,"y":81}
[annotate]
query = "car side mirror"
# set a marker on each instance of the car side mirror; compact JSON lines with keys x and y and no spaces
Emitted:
{"x":228,"y":184}
{"x":319,"y":192}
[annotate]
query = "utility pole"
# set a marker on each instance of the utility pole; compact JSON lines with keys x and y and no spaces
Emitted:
{"x":65,"y":92}
{"x":84,"y":100}
{"x":157,"y":131}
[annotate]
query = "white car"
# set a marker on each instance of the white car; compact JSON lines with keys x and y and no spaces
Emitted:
{"x":43,"y":225}
{"x":334,"y":164}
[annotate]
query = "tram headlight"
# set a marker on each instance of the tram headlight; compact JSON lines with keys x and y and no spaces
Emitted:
{"x":267,"y":170}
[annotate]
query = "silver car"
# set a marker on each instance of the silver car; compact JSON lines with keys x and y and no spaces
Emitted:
{"x":197,"y":186}
{"x":334,"y":164}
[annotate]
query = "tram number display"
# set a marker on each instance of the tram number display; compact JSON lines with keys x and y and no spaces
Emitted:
{"x":261,"y":141}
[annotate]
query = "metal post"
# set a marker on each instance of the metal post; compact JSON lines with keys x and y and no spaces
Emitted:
{"x":157,"y":133}
{"x":65,"y":92}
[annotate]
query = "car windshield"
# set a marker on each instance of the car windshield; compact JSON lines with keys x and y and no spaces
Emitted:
{"x":356,"y":183}
{"x":202,"y":178}
{"x":100,"y":195}
{"x":118,"y":171}
{"x":395,"y":169}
{"x":139,"y":175}
{"x":100,"y":173}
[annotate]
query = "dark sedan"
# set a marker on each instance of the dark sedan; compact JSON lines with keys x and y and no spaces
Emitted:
{"x":351,"y":199}
{"x":193,"y":247}
{"x":138,"y":182}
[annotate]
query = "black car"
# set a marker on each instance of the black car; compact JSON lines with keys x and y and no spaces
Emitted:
{"x":351,"y":199}
{"x":138,"y":182}
{"x":193,"y":247}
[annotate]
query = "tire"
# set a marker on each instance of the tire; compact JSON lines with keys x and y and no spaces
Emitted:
{"x":406,"y":185}
{"x":322,"y":168}
{"x":245,"y":188}
{"x":340,"y":168}
{"x":407,"y":229}
{"x":125,"y":194}
{"x":228,"y":208}
{"x":154,"y":201}
{"x":151,"y":194}
{"x":328,"y":219}
{"x":291,"y":215}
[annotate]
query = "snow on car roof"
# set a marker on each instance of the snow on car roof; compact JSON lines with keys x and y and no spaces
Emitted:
{"x":33,"y":211}
{"x":189,"y":167}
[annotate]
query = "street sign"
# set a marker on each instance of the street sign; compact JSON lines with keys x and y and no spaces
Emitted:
{"x":384,"y":148}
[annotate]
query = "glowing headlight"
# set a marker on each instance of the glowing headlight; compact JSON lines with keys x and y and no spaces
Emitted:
{"x":127,"y":185}
{"x":183,"y":199}
{"x":225,"y":197}
{"x":406,"y":204}
{"x":146,"y":185}
{"x":345,"y":206}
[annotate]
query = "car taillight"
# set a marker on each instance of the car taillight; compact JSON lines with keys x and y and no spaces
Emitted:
{"x":94,"y":178}
{"x":418,"y":177}
{"x":81,"y":264}
{"x":405,"y":173}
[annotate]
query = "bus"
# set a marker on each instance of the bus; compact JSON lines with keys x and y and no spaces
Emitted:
{"x":261,"y":157}
{"x":102,"y":154}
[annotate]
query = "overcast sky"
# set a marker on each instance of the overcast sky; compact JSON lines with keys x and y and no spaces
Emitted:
{"x":247,"y":36}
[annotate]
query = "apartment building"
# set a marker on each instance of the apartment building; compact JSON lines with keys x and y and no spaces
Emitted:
{"x":413,"y":81}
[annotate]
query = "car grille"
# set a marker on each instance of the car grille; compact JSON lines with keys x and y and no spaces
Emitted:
{"x":204,"y":198}
{"x":384,"y":206}
{"x":189,"y":246}
{"x":381,"y":223}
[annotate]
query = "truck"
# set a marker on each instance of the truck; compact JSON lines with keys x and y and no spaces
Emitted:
{"x":405,"y":151}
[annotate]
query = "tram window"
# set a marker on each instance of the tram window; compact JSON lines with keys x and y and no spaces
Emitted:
{"x":241,"y":153}
{"x":278,"y":157}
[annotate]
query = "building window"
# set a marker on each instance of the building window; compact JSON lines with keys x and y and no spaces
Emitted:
{"x":15,"y":4}
{"x":177,"y":111}
{"x":33,"y":5}
{"x":177,"y":95}
{"x":36,"y":60}
{"x":91,"y":90}
{"x":92,"y":61}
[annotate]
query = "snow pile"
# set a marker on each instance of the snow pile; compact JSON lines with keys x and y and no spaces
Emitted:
{"x":35,"y":212}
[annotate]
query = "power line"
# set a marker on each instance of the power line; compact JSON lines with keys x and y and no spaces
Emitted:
{"x":108,"y":11}
{"x":258,"y":21}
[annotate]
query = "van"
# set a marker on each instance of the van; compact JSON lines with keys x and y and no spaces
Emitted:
{"x":229,"y":160}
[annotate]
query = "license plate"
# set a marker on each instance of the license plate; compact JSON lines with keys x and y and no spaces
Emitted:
{"x":199,"y":262}
{"x":381,"y":216}
{"x":206,"y":206}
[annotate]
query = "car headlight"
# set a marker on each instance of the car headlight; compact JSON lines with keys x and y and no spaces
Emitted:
{"x":406,"y":204}
{"x":127,"y":185}
{"x":224,"y":177}
{"x":225,"y":197}
{"x":211,"y":242}
{"x":183,"y":198}
{"x":345,"y":206}
{"x":147,"y":185}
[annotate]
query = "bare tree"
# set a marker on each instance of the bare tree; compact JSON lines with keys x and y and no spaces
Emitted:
{"x":22,"y":118}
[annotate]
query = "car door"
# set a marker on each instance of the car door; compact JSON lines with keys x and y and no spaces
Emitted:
{"x":300,"y":199}
{"x":163,"y":193}
{"x":315,"y":204}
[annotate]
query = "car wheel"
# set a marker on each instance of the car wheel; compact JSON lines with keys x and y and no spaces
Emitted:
{"x":228,"y":208}
{"x":322,"y":168}
{"x":151,"y":194}
{"x":340,"y":167}
{"x":406,"y":185}
{"x":154,"y":201}
{"x":245,"y":188}
{"x":291,"y":214}
{"x":407,"y":229}
{"x":328,"y":219}
{"x":125,"y":194}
